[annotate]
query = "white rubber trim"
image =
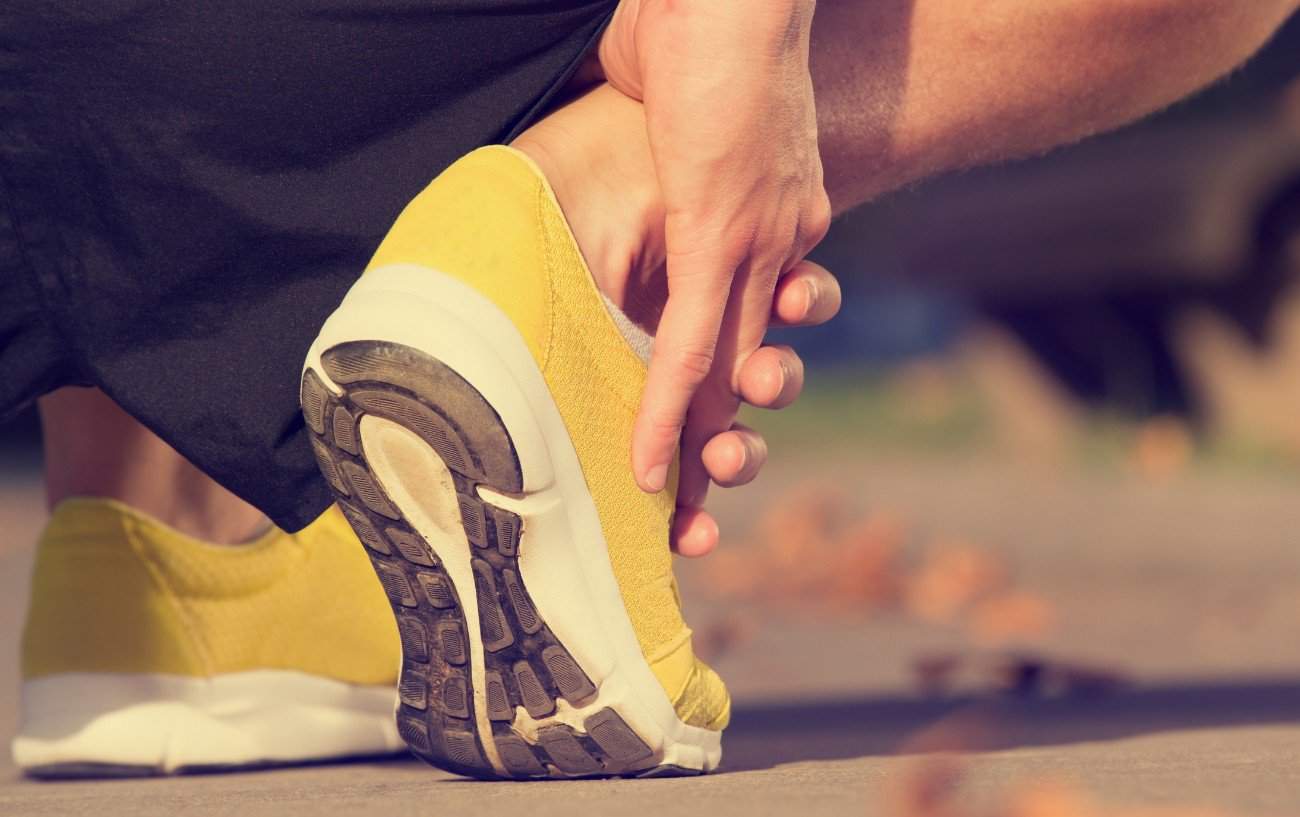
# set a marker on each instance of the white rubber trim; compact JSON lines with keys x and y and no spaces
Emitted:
{"x":169,"y":722}
{"x":563,"y":556}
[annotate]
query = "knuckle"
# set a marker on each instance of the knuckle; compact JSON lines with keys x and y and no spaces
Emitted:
{"x":817,"y":218}
{"x":738,"y":243}
{"x":741,"y":244}
{"x":665,"y":424}
{"x":693,"y":364}
{"x":727,"y":229}
{"x":710,"y":262}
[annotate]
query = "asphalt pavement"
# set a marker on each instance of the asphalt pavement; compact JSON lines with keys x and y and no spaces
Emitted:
{"x":1186,"y":593}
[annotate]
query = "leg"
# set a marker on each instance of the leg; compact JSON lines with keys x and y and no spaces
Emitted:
{"x":596,"y":155}
{"x":468,"y":402}
{"x":94,"y":449}
{"x":148,"y":651}
{"x":594,"y":152}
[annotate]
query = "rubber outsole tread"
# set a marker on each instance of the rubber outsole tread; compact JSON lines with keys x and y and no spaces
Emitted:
{"x":364,"y":530}
{"x":566,"y":752}
{"x":569,"y":678}
{"x":526,"y":666}
{"x":366,"y":490}
{"x":612,"y":734}
{"x":410,"y":548}
{"x":455,"y":698}
{"x":438,"y":591}
{"x":535,"y":699}
{"x":329,"y":469}
{"x":518,"y":757}
{"x":523,"y":606}
{"x":345,"y":431}
{"x":498,"y":699}
{"x":414,"y":637}
{"x":413,"y":691}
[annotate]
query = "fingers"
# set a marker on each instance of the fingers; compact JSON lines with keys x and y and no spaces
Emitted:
{"x":807,"y":295}
{"x":712,"y":413}
{"x":705,"y":321}
{"x":695,"y":532}
{"x":771,"y":378}
{"x":731,"y":458}
{"x":735,"y":457}
{"x":698,"y":290}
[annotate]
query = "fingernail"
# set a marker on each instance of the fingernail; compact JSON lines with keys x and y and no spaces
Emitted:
{"x":813,"y":294}
{"x":744,"y":458}
{"x":656,"y":478}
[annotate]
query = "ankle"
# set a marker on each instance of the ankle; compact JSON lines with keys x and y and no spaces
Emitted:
{"x":203,"y":511}
{"x":595,"y":155}
{"x":210,"y":514}
{"x":95,"y":449}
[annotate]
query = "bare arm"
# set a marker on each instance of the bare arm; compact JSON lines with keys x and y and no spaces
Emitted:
{"x":909,"y":88}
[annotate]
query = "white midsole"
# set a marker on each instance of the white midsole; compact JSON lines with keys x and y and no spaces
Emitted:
{"x":435,"y":313}
{"x":169,"y":722}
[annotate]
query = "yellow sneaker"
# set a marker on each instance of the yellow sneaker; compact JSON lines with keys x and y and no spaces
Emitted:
{"x":472,"y":403}
{"x":149,"y":652}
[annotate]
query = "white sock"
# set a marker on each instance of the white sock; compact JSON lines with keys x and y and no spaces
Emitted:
{"x":640,"y":340}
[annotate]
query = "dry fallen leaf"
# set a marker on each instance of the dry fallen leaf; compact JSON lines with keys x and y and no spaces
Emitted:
{"x":1049,"y":798}
{"x":1012,"y":617}
{"x":869,"y":570}
{"x":809,"y":552}
{"x":953,"y":576}
{"x":932,"y":787}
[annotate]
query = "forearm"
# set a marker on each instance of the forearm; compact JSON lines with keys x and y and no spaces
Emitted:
{"x":909,"y":89}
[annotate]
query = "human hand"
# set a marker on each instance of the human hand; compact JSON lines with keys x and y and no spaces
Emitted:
{"x":732,"y":127}
{"x":770,"y":378}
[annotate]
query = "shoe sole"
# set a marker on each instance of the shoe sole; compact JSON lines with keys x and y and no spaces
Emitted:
{"x":82,"y":725}
{"x":511,"y":666}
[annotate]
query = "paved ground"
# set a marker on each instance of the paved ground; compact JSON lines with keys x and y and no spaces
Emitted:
{"x":1190,"y":589}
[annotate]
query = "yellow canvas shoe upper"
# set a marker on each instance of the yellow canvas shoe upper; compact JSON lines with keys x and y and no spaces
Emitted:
{"x":492,"y":221}
{"x":115,"y":591}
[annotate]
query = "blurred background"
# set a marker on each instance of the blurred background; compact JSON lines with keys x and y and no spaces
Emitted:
{"x":1047,"y":466}
{"x":1048,"y":462}
{"x":1058,"y":416}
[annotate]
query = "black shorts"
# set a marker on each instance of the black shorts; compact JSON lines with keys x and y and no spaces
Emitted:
{"x":187,"y":190}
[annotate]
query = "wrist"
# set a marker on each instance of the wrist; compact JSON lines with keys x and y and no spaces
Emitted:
{"x":642,"y":31}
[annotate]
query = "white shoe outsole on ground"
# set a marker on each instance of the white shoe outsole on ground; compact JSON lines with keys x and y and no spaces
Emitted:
{"x":107,"y":725}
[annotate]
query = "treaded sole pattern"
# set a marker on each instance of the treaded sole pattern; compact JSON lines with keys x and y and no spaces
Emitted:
{"x":526,"y":667}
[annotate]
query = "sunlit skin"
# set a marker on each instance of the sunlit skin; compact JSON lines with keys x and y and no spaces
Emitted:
{"x":94,"y":448}
{"x":743,"y":200}
{"x":904,"y":89}
{"x":616,"y":216}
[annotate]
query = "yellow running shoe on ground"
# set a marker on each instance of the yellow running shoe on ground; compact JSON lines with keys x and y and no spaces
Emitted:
{"x":149,"y":652}
{"x":472,"y":402}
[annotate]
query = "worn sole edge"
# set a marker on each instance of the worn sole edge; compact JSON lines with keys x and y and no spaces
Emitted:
{"x":402,"y":305}
{"x":116,"y":725}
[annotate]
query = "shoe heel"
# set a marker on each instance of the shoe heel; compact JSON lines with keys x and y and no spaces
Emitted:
{"x":518,"y":657}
